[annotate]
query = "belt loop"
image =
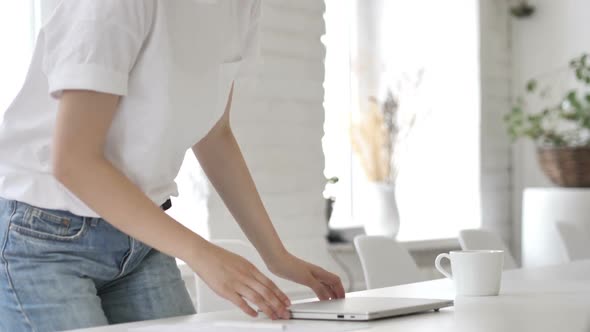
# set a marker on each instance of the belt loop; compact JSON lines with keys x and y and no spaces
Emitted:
{"x":93,"y":221}
{"x":167,"y":205}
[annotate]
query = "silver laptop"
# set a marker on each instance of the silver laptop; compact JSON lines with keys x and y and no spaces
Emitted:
{"x":364,"y":308}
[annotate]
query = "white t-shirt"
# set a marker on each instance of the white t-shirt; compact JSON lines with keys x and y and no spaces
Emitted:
{"x":173,"y":61}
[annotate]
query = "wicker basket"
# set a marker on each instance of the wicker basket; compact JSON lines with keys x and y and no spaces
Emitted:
{"x":566,"y":167}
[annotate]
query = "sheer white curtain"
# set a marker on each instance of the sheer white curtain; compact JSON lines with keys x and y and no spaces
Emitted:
{"x":19,"y":22}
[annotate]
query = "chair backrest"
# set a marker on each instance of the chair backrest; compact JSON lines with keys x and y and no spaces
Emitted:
{"x":208,"y":301}
{"x":575,"y":240}
{"x":384,"y":262}
{"x":480,"y":239}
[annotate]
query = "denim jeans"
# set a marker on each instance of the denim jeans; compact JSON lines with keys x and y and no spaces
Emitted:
{"x":60,"y":271}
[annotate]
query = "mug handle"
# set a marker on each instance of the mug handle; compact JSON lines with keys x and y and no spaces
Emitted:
{"x":440,"y":268}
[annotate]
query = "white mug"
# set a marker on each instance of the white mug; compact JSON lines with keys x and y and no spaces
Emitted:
{"x":474,"y":272}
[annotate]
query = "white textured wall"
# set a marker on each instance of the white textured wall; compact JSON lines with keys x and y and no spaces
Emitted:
{"x":542,"y":43}
{"x":279,"y":123}
{"x":495,"y":68}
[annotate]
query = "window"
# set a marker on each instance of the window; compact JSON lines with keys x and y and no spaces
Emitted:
{"x":19,"y":23}
{"x":438,"y":187}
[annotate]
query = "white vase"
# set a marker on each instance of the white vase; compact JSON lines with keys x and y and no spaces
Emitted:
{"x":378,"y":210}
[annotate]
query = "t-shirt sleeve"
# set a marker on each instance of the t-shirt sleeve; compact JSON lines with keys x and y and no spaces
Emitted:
{"x":94,"y":44}
{"x":251,"y":43}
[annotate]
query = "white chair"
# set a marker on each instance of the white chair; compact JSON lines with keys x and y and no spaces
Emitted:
{"x":542,"y":209}
{"x":575,"y":240}
{"x":384,"y":262}
{"x":208,"y":301}
{"x":480,"y":239}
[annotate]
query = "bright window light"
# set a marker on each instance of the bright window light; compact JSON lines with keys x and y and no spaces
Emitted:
{"x":439,"y":184}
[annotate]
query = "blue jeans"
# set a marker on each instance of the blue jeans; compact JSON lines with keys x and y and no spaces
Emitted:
{"x":60,"y":271}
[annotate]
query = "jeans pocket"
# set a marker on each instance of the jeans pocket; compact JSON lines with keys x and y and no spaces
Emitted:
{"x":50,"y":225}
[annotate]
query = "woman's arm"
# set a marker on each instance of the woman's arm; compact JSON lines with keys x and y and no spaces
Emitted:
{"x":83,"y":121}
{"x":221,"y":159}
{"x":220,"y":156}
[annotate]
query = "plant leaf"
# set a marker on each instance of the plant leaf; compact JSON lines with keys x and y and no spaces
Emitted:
{"x":531,"y":85}
{"x":572,"y":97}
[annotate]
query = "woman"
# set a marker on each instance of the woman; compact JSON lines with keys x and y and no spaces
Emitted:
{"x":116,"y":93}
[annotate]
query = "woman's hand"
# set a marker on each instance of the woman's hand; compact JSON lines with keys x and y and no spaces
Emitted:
{"x":235,"y":279}
{"x":325,"y":285}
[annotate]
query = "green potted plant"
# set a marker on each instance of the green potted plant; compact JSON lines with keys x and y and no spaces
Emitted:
{"x":561,"y":131}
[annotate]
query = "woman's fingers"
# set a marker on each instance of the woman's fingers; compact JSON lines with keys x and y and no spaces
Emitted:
{"x":256,"y":298}
{"x":239,"y":302}
{"x":332,"y":280}
{"x":322,"y":291}
{"x":256,"y":288}
{"x":273,"y":287}
{"x":264,"y":287}
{"x":234,"y":278}
{"x":330,"y":290}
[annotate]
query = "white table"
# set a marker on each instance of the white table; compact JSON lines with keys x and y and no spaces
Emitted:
{"x":555,"y":298}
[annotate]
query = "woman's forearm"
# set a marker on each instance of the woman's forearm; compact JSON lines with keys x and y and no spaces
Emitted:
{"x":79,"y":164}
{"x":116,"y":199}
{"x":220,"y":156}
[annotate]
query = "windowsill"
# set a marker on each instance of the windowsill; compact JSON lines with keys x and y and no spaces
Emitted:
{"x":412,"y":246}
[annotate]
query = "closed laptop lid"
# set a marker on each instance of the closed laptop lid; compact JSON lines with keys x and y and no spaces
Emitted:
{"x":365,"y":307}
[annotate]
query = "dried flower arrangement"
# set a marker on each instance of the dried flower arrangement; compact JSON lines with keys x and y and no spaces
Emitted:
{"x":370,"y":141}
{"x":379,"y":136}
